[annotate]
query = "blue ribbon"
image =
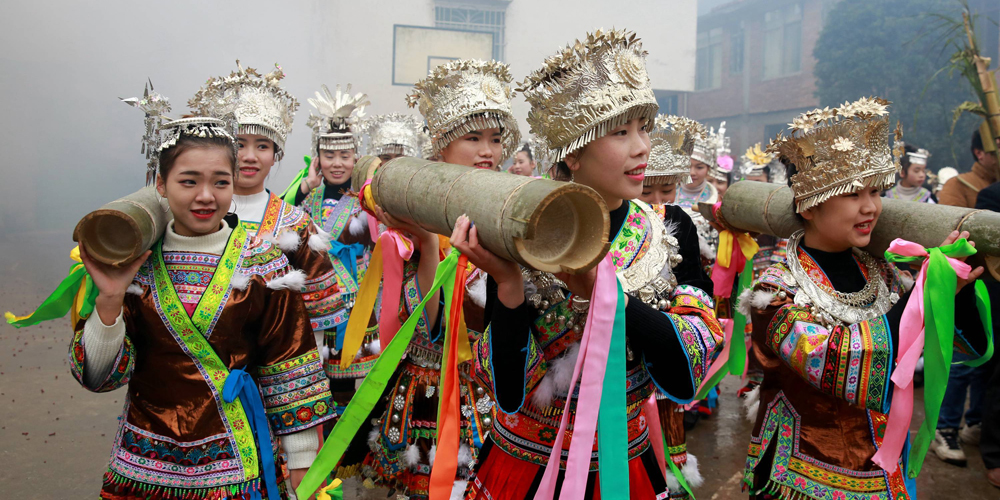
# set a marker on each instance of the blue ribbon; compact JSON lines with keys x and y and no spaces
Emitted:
{"x":338,"y":342}
{"x":347,"y":255}
{"x":240,"y":384}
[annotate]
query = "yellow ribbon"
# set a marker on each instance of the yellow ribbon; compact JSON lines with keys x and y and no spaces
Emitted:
{"x":364,"y":304}
{"x":748,"y":246}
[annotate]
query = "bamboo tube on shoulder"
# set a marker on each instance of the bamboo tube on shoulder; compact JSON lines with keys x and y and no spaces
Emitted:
{"x":761,"y":207}
{"x":542,"y":224}
{"x":120,"y":231}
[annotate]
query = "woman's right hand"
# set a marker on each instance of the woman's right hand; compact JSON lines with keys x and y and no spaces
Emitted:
{"x":507,"y":274}
{"x":314,"y":179}
{"x":111,"y":282}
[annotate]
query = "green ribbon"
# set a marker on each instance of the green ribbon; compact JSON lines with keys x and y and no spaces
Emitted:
{"x":57,"y":304}
{"x":737,"y":343}
{"x":676,"y":471}
{"x":939,"y":289}
{"x":293,"y":189}
{"x":612,"y":424}
{"x":373,"y":386}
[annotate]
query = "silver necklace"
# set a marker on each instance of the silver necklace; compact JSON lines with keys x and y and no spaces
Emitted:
{"x":831,"y":307}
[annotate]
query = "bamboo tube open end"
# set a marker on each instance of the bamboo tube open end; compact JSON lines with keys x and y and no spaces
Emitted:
{"x":109,"y":237}
{"x":568,"y":232}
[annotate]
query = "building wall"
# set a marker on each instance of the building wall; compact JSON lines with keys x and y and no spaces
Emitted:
{"x":751,"y":105}
{"x":534,"y":31}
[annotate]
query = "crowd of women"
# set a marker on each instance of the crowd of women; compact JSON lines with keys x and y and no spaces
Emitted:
{"x":231,"y":334}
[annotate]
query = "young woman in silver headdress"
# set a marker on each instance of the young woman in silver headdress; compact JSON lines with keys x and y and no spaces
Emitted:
{"x":264,"y":112}
{"x":467,"y":107}
{"x":192,"y":328}
{"x":592,"y":103}
{"x":827,"y":324}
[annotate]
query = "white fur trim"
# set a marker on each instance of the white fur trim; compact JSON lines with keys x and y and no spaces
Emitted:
{"x":294,"y":280}
{"x":458,"y":490}
{"x":134,"y":289}
{"x":557,"y":378}
{"x":320,"y":242}
{"x":375,"y":347}
{"x":476,"y":291}
{"x":288,"y":241}
{"x":358,"y":225}
{"x":373,"y":440}
{"x":240,"y":281}
{"x":464,"y":455}
{"x":411,"y":456}
{"x":751,"y":402}
{"x":691,"y":473}
{"x":705,"y":249}
{"x":919,"y":367}
{"x":743,"y":302}
{"x":673,"y":485}
{"x":324,"y":353}
{"x":268,"y":238}
{"x":432,"y":454}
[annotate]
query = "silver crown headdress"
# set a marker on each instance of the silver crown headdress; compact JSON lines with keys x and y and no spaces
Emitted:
{"x":589,"y":88}
{"x":163,"y":133}
{"x":394,"y":133}
{"x":258,"y":102}
{"x":339,"y":116}
{"x":461,"y":96}
{"x":840,"y":150}
{"x":671,"y":143}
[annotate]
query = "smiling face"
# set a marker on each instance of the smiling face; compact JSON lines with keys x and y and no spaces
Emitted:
{"x":256,"y":157}
{"x":843,"y":221}
{"x":614,"y":165}
{"x":479,"y":148}
{"x":720,"y":186}
{"x":522,"y":164}
{"x":699,"y":171}
{"x":659,"y":194}
{"x":198,"y":188}
{"x":336,"y":166}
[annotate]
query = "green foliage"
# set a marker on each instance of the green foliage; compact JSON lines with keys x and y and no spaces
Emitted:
{"x":896,"y":49}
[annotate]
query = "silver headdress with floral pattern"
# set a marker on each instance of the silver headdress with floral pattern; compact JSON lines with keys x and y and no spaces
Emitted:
{"x":840,"y":150}
{"x":258,"y":102}
{"x":723,"y":164}
{"x":461,"y":96}
{"x":336,"y":127}
{"x":163,"y":133}
{"x":671,"y":141}
{"x":588,"y":89}
{"x":540,"y":153}
{"x":394,"y":133}
{"x":707,"y":149}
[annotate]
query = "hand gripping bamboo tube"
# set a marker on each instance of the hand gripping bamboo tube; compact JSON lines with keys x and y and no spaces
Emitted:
{"x":761,"y":207}
{"x":120,"y":231}
{"x":542,"y":224}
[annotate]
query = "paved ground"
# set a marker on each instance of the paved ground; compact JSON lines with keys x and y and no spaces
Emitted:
{"x":55,"y":437}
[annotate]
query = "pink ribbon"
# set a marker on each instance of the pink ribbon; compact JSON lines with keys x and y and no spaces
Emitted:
{"x":396,"y":249}
{"x":591,"y":361}
{"x":655,"y":432}
{"x":911,"y":345}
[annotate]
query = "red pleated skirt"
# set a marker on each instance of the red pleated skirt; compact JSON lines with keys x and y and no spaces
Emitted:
{"x":501,"y":476}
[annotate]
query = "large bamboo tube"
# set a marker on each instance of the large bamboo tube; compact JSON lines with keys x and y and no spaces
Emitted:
{"x":120,"y":231}
{"x":761,"y":207}
{"x":542,"y":224}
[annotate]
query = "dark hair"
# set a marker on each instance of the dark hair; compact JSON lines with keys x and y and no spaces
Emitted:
{"x":561,"y":172}
{"x":526,"y":149}
{"x":904,"y":162}
{"x":790,"y":170}
{"x":977,"y":142}
{"x":186,"y":142}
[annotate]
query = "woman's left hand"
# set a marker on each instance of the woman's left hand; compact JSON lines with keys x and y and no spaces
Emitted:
{"x":296,"y":477}
{"x":975,"y":273}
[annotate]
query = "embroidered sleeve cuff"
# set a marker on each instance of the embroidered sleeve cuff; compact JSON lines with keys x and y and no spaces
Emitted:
{"x":102,"y":356}
{"x":296,"y":393}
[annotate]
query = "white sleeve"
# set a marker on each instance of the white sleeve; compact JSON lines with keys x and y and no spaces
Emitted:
{"x":301,"y":447}
{"x":101,"y":343}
